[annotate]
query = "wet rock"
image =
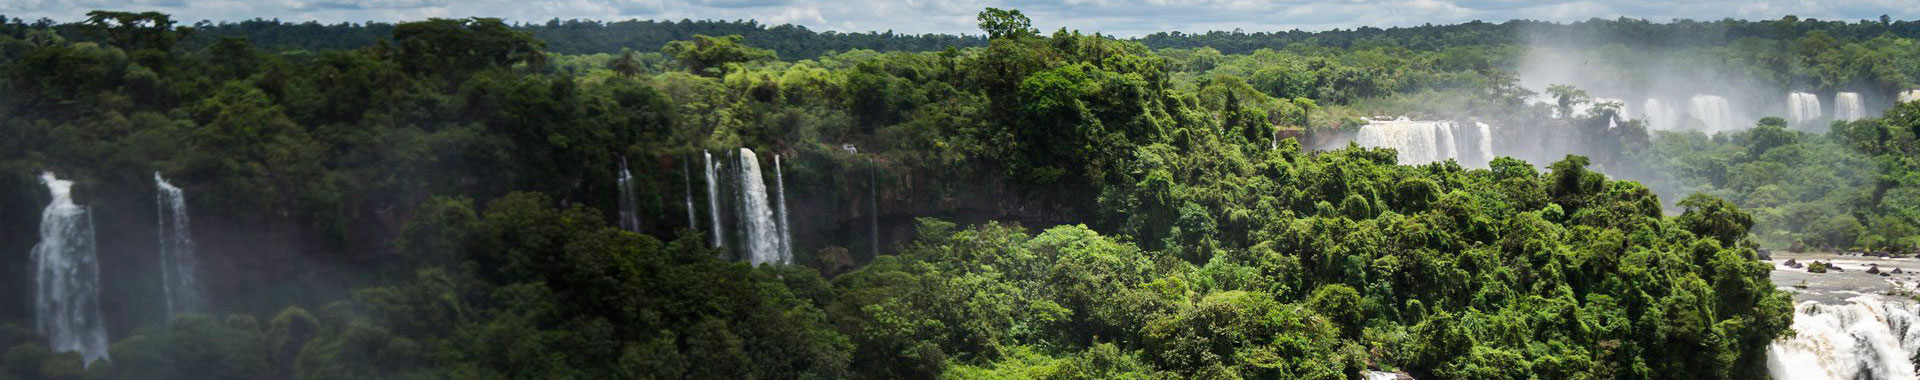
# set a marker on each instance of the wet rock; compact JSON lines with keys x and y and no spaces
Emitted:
{"x":1873,"y":269}
{"x":1896,"y":271}
{"x":1765,"y":254}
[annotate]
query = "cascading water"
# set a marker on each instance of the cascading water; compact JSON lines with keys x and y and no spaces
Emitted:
{"x":1486,"y":141}
{"x":1803,"y":107}
{"x":629,"y":209}
{"x":1659,"y":116}
{"x":786,"y":231}
{"x":718,"y":234}
{"x":67,"y":277}
{"x":1847,"y":106}
{"x":1865,"y":338}
{"x":1421,"y":142}
{"x":179,"y":261}
{"x":762,"y":233}
{"x":686,"y":176}
{"x":1909,"y":96}
{"x":1714,"y":113}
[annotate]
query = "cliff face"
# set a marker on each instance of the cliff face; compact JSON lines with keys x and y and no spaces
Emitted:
{"x":254,"y":263}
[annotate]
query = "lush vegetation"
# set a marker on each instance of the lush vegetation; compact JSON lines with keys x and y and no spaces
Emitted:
{"x":434,"y":204}
{"x":1853,"y":188}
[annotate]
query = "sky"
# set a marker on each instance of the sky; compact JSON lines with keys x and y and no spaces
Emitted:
{"x":1125,"y":18}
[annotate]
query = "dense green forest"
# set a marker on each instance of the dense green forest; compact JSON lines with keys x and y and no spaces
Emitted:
{"x":435,"y":199}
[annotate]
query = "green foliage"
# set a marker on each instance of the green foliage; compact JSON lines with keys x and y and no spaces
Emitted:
{"x":713,"y":56}
{"x":1186,"y":233}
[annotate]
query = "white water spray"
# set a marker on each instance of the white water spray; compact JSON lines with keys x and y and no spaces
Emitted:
{"x":786,"y":229}
{"x":1422,"y":142}
{"x":67,"y":276}
{"x":1803,"y":107}
{"x":1659,"y":116}
{"x":762,"y":233}
{"x":629,"y":204}
{"x":179,"y":259}
{"x":1714,"y":113}
{"x":713,"y":201}
{"x":1847,"y":107}
{"x":686,"y":176}
{"x":1867,"y":338}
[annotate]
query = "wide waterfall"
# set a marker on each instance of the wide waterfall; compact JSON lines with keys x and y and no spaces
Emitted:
{"x":1865,"y":338}
{"x":1847,"y":106}
{"x":786,"y":231}
{"x":1659,"y":116}
{"x":629,"y":204}
{"x":67,"y":277}
{"x":718,"y":234}
{"x":1803,"y":107}
{"x":1421,"y":142}
{"x":179,"y":261}
{"x":762,"y":237}
{"x":1714,"y":114}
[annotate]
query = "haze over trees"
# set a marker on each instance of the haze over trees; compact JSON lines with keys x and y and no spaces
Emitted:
{"x":436,"y":199}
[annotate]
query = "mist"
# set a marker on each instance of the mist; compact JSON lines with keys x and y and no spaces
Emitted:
{"x":1700,"y":85}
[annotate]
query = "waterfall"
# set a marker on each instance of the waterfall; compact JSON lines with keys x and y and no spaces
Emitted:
{"x":1867,"y":338}
{"x":686,"y":176}
{"x":1714,"y":113}
{"x":786,"y":229}
{"x":718,"y":234}
{"x":67,"y":276}
{"x":179,"y":262}
{"x":761,"y":232}
{"x":1486,"y":141}
{"x":1847,"y":107}
{"x":1909,"y":96}
{"x":629,"y":208}
{"x":1421,"y":142}
{"x":1803,"y":107}
{"x":1659,"y":116}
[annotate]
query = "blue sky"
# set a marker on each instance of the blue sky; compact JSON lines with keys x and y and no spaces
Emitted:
{"x":1119,"y":17}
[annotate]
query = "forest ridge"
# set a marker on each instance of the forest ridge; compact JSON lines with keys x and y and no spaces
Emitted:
{"x":435,"y":199}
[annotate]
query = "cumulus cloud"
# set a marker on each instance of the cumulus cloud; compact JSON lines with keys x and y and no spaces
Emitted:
{"x":1117,"y":17}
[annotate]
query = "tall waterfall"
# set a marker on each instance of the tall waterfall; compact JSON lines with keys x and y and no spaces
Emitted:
{"x":1714,"y":113}
{"x":67,"y":276}
{"x":686,"y":176}
{"x":786,"y":229}
{"x":1803,"y":107}
{"x":1847,"y":106}
{"x":713,"y":201}
{"x":1486,"y":141}
{"x":1866,"y":338}
{"x":179,"y":259}
{"x":1421,"y":142}
{"x":629,"y":204}
{"x":762,"y":233}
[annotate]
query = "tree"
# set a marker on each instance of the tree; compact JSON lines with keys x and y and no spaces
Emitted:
{"x":712,"y":56}
{"x":1006,"y":24}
